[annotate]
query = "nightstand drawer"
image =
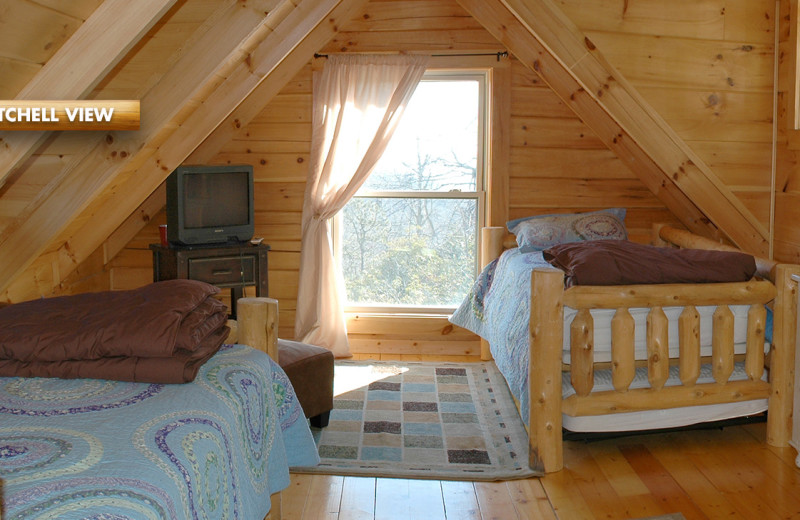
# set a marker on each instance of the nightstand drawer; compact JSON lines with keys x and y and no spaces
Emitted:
{"x":224,"y":270}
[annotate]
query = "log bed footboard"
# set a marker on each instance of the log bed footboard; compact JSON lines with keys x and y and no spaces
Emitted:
{"x":546,"y":342}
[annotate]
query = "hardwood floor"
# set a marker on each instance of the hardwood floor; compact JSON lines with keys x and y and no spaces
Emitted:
{"x":703,"y":474}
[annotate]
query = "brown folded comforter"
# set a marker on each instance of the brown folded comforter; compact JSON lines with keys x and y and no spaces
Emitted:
{"x":180,"y":368}
{"x":620,"y":262}
{"x":162,"y":332}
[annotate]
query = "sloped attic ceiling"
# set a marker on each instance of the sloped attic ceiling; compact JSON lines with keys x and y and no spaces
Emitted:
{"x":64,"y":194}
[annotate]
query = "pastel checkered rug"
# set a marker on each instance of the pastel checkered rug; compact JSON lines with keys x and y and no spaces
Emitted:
{"x":446,"y":421}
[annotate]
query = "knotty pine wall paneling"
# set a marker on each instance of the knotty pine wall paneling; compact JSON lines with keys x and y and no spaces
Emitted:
{"x":704,"y":65}
{"x":707,"y":68}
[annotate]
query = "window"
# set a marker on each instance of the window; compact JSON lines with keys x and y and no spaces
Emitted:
{"x":408,"y":239}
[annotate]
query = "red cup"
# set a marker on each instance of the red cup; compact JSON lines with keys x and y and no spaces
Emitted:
{"x":162,"y":234}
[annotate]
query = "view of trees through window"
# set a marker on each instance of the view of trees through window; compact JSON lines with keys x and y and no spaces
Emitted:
{"x":409,"y":235}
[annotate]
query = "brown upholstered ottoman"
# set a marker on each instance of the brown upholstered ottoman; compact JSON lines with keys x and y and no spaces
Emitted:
{"x":310,"y":369}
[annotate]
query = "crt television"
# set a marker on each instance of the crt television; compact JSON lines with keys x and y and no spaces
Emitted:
{"x":210,"y":204}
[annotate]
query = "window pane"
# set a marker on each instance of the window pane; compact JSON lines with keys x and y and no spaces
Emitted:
{"x":409,"y":251}
{"x":435,"y":146}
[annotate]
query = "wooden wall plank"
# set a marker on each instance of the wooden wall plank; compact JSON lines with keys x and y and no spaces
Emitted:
{"x":419,"y":40}
{"x":16,"y":74}
{"x":737,"y":163}
{"x":568,"y":163}
{"x":538,"y":101}
{"x":19,"y":40}
{"x":553,"y":132}
{"x":582,"y":193}
{"x":714,"y":115}
{"x":76,"y":8}
{"x":269,"y":136}
{"x":740,"y":66}
{"x":410,"y":15}
{"x":680,"y":18}
{"x":750,"y":21}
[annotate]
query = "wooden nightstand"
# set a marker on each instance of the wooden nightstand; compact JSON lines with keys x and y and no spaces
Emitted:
{"x":226,"y":266}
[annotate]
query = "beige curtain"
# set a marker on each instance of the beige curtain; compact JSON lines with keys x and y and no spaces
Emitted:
{"x":358,"y":102}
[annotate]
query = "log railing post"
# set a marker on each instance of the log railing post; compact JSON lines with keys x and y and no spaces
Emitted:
{"x":722,"y":344}
{"x":689,"y":345}
{"x":623,"y":363}
{"x":581,"y":339}
{"x":657,"y":348}
{"x":754,"y":356}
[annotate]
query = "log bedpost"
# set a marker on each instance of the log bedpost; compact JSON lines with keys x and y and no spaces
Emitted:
{"x":544,"y":370}
{"x":258,"y":324}
{"x":781,"y":374}
{"x":257,"y":327}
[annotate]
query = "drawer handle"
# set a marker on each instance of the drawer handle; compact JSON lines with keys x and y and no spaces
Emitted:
{"x":220,"y":272}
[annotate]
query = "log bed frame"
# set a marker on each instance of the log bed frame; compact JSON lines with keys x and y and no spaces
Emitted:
{"x":774,"y":284}
{"x":257,"y":326}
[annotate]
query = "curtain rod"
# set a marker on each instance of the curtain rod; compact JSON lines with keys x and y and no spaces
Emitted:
{"x":499,"y":54}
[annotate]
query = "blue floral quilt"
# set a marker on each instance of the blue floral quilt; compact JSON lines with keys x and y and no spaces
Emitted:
{"x":497,"y":309}
{"x":110,"y":450}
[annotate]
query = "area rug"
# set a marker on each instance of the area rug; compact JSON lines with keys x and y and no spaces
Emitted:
{"x":444,"y":421}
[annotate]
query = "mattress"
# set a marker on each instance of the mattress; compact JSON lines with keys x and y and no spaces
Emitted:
{"x":602,"y":330}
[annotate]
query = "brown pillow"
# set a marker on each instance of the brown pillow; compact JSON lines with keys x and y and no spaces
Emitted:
{"x":620,"y":262}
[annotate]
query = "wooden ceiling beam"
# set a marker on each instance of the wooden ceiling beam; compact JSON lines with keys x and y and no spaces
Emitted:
{"x":543,"y":38}
{"x":80,"y":64}
{"x":134,"y":180}
{"x":164,"y":108}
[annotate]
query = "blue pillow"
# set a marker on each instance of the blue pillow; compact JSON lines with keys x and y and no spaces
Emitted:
{"x":542,"y":231}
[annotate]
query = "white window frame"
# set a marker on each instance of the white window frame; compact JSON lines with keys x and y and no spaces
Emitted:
{"x":484,"y":124}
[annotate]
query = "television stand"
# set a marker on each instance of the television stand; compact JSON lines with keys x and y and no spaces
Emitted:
{"x":233,"y":266}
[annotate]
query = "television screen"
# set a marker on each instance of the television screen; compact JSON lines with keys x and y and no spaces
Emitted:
{"x":210,"y":204}
{"x":215,"y":199}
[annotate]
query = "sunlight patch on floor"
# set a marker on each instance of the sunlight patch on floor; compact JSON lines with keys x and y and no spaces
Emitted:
{"x":347,"y":378}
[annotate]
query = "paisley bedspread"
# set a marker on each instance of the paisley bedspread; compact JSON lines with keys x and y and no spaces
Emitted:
{"x":110,"y":450}
{"x":497,"y":309}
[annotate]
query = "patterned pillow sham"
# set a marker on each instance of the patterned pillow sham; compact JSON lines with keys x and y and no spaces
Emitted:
{"x":540,"y":232}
